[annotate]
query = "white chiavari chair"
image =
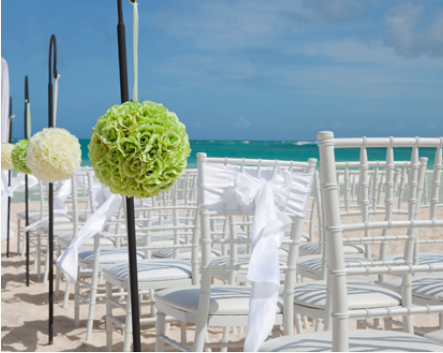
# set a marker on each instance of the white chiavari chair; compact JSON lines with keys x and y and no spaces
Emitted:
{"x":84,"y":187}
{"x":423,"y":257}
{"x":340,"y":338}
{"x":34,"y":215}
{"x":228,"y":305}
{"x":310,"y":298}
{"x":153,"y":274}
{"x":149,"y":213}
{"x":312,"y":265}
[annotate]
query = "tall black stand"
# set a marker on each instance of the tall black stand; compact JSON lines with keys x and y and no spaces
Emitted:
{"x":9,"y":180}
{"x":26,"y":182}
{"x":52,"y":43}
{"x":130,"y":214}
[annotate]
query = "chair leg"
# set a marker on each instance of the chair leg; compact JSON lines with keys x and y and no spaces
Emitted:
{"x":160,"y":330}
{"x":77,"y":305}
{"x":298,"y":324}
{"x":37,"y":261}
{"x":183,"y":327}
{"x":18,"y":236}
{"x":200,"y":337}
{"x":128,"y":323}
{"x":66,"y":296}
{"x":317,"y":324}
{"x":24,"y":244}
{"x":408,"y":324}
{"x":151,"y":298}
{"x":306,"y":322}
{"x":47,"y":264}
{"x":92,"y":301}
{"x":57,"y":272}
{"x":225,"y":338}
{"x":108,"y":317}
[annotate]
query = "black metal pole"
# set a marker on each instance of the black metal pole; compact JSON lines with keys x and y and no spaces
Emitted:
{"x":52,"y":43}
{"x":130,"y":214}
{"x":26,"y":183}
{"x":9,"y":179}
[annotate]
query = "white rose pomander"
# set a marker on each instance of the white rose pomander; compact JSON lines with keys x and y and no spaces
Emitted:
{"x":6,"y":156}
{"x":53,"y":155}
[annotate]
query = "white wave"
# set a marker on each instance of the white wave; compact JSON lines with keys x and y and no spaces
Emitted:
{"x":301,"y":143}
{"x":245,"y":142}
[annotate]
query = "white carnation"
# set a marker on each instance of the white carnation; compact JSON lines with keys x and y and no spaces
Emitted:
{"x":6,"y":156}
{"x":53,"y":155}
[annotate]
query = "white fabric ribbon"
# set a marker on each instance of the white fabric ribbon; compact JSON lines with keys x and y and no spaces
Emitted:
{"x":60,"y":208}
{"x":68,"y":261}
{"x":32,"y":181}
{"x":267,"y":235}
{"x":4,"y":201}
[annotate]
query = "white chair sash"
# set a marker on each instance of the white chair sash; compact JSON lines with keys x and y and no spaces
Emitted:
{"x":271,"y":197}
{"x":4,"y":200}
{"x":68,"y":261}
{"x":60,"y":208}
{"x":32,"y":181}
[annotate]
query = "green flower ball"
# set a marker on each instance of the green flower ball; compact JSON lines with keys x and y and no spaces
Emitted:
{"x":139,"y":149}
{"x":18,"y":156}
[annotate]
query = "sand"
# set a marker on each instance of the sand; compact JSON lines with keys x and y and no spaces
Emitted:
{"x":25,"y":310}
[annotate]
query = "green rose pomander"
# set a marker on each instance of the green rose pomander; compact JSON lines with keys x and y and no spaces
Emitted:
{"x":18,"y":156}
{"x":139,"y":149}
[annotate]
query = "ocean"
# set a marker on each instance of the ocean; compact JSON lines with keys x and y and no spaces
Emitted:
{"x":283,"y":150}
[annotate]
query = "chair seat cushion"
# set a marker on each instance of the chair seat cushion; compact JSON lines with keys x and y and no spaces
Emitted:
{"x":152,"y":270}
{"x":428,"y":286}
{"x":108,"y":256}
{"x":163,"y":239}
{"x":436,"y":336}
{"x":67,"y":238}
{"x":283,"y":253}
{"x":313,"y":263}
{"x":423,"y":257}
{"x":359,"y":341}
{"x":314,"y":248}
{"x":183,"y":253}
{"x":60,"y":224}
{"x":34,"y":215}
{"x":361,"y":295}
{"x":241,"y":260}
{"x":225,"y":300}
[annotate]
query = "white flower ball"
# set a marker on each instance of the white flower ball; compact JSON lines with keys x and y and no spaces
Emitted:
{"x":6,"y":156}
{"x":53,"y":155}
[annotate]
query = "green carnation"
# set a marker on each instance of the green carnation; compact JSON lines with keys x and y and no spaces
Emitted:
{"x":18,"y":156}
{"x":139,"y":149}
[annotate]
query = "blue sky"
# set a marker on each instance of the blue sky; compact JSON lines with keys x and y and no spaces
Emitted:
{"x":238,"y":70}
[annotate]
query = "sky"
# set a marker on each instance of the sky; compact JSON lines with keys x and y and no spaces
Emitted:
{"x":238,"y":69}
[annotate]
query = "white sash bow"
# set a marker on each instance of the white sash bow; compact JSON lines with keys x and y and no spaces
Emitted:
{"x":68,"y":261}
{"x":60,"y":208}
{"x":32,"y":181}
{"x":267,"y":235}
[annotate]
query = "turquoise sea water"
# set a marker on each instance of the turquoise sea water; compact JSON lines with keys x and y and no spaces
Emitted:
{"x":284,"y":150}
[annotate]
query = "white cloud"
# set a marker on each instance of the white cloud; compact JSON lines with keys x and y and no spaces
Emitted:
{"x":412,"y":32}
{"x":224,"y":25}
{"x":242,"y":123}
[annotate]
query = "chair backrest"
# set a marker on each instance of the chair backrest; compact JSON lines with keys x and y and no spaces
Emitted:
{"x":334,"y":228}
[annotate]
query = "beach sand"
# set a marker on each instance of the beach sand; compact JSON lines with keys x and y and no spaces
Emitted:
{"x":25,"y":310}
